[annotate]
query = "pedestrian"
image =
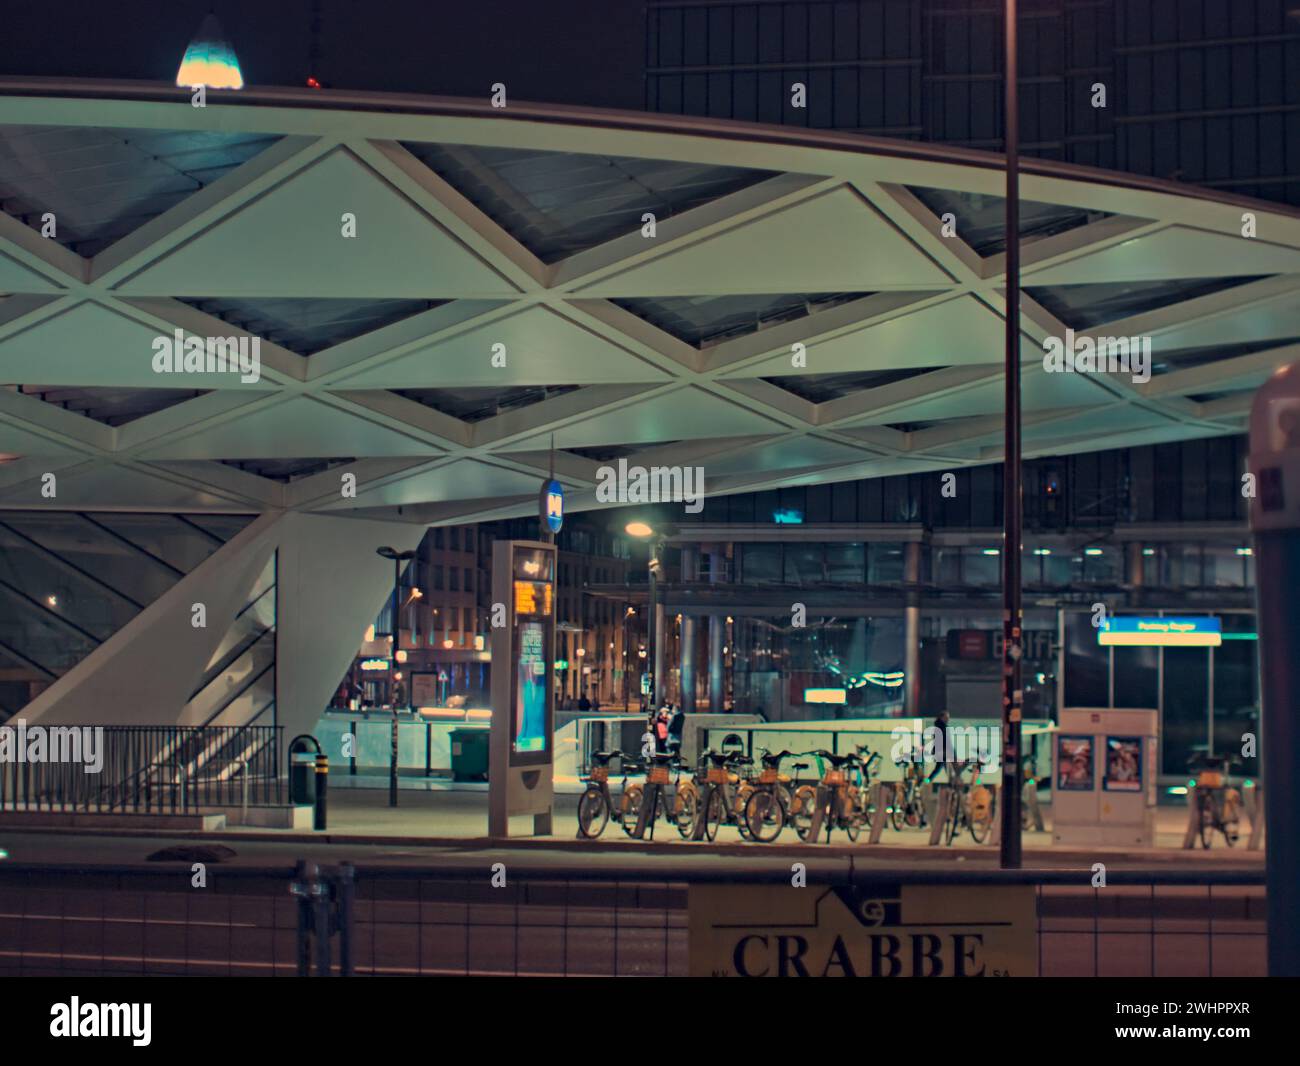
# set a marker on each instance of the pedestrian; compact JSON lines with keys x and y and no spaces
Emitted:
{"x":676,"y":723}
{"x":943,"y":754}
{"x":661,"y":730}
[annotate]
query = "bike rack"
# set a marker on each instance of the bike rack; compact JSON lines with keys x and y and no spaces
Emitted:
{"x":941,"y":813}
{"x":882,"y":794}
{"x":1193,"y":820}
{"x":1253,"y":800}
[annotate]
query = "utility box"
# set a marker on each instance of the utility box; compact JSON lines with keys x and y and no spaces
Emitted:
{"x":1104,"y":773}
{"x":469,"y":754}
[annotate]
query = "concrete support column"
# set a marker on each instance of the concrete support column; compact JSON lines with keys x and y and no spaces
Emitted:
{"x":661,"y":638}
{"x":717,"y":676}
{"x":1136,"y":576}
{"x":912,"y":629}
{"x":687,"y":695}
{"x":717,"y":636}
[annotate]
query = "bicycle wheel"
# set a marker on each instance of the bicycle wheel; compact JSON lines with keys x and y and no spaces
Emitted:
{"x":630,"y":808}
{"x":981,"y":821}
{"x":715,"y":813}
{"x":953,"y":826}
{"x":898,"y":811}
{"x":1206,"y":805}
{"x":765,"y":816}
{"x":593,"y":813}
{"x":1231,"y":823}
{"x":852,"y":816}
{"x":738,"y":804}
{"x":801,"y":810}
{"x":685,"y":805}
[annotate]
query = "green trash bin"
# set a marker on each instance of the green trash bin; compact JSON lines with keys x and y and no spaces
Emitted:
{"x":469,"y":754}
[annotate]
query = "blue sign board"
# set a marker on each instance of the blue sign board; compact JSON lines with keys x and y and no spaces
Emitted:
{"x":552,"y":505}
{"x":1128,"y":631}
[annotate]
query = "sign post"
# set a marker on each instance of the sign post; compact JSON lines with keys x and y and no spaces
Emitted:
{"x":521,"y":750}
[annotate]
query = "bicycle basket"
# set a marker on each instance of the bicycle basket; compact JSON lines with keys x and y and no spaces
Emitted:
{"x":716,"y":776}
{"x":600,"y":773}
{"x":767,"y":777}
{"x":657,"y":775}
{"x":1210,"y":779}
{"x":833,"y":778}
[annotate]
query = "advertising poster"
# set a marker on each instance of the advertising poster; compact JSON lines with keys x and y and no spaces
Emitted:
{"x":1074,"y":764}
{"x":1123,"y":764}
{"x":530,"y":688}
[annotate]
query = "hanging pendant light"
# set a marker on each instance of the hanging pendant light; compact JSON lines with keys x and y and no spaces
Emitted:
{"x":209,"y":60}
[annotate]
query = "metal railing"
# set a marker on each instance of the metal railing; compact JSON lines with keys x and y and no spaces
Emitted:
{"x":575,"y":919}
{"x":143,"y":769}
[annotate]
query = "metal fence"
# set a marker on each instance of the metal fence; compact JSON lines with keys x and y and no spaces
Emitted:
{"x":558,"y":921}
{"x":142,"y":769}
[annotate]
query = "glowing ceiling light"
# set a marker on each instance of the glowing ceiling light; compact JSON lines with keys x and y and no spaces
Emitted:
{"x":209,"y":60}
{"x":1092,"y":551}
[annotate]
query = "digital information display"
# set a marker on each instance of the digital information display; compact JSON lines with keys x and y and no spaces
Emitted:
{"x":530,"y":687}
{"x":533,"y":592}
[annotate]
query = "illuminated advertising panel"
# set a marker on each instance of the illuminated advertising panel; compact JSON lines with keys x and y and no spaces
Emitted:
{"x":533,"y":596}
{"x":1127,"y":631}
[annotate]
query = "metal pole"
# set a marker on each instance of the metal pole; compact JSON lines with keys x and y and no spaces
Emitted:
{"x":652,"y":643}
{"x":1011,"y":612}
{"x":392,"y":681}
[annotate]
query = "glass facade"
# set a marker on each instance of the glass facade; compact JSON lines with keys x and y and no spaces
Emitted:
{"x":70,"y":581}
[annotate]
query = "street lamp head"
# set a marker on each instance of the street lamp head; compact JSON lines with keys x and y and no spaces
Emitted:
{"x":638,"y":529}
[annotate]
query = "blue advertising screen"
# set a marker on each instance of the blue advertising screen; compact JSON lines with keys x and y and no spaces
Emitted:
{"x":530,"y":687}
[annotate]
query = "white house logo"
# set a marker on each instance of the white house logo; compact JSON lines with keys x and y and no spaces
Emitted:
{"x":102,"y":1019}
{"x":1098,"y":355}
{"x":658,"y":484}
{"x":180,"y":354}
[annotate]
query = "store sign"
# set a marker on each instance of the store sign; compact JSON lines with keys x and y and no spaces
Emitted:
{"x":1039,"y":645}
{"x":1133,"y":632}
{"x":883,"y":930}
{"x":374,"y":665}
{"x":825,"y":695}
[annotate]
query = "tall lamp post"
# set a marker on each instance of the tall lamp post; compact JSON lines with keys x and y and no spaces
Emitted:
{"x":398,"y":559}
{"x":644,"y":531}
{"x":1012,"y":693}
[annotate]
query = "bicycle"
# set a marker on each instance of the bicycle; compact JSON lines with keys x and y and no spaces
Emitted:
{"x":835,"y":802}
{"x":768,"y":802}
{"x":859,"y":786}
{"x":1218,"y":803}
{"x":657,"y":778}
{"x":725,"y":794}
{"x":595,"y":805}
{"x":971,"y":805}
{"x":908,"y":809}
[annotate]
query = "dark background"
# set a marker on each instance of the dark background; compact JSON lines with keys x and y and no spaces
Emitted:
{"x":558,"y":51}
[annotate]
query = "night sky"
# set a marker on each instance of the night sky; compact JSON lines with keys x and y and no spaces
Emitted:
{"x":558,"y":51}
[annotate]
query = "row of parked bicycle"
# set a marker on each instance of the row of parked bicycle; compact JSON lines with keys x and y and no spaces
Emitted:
{"x":760,"y":798}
